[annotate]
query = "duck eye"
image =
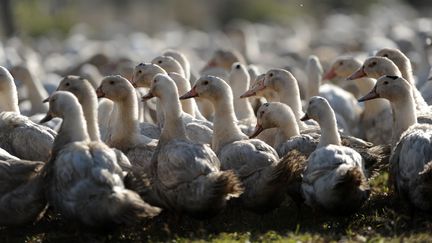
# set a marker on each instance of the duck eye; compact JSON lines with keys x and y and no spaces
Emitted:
{"x":372,"y":64}
{"x":155,"y":81}
{"x":67,"y":84}
{"x":385,"y":55}
{"x":111,"y":82}
{"x":238,"y":66}
{"x":340,"y":63}
{"x":160,"y":61}
{"x":205,"y":82}
{"x":386,"y":82}
{"x":262,"y":113}
{"x":139,"y":71}
{"x":271,"y":74}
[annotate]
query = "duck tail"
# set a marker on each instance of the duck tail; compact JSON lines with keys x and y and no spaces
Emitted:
{"x":353,"y":178}
{"x":289,"y":168}
{"x":208,"y":195}
{"x":122,"y":206}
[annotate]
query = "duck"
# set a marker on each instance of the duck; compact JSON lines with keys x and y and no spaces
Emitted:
{"x":343,"y":102}
{"x":22,"y":198}
{"x":169,"y":64}
{"x":404,"y":65}
{"x":410,"y":161}
{"x":197,"y":130}
{"x":123,"y":126}
{"x":255,"y":163}
{"x":375,"y":67}
{"x":182,"y":59}
{"x":86,"y":95}
{"x":19,"y":135}
{"x":186,"y":176}
{"x":334,"y":178}
{"x":239,"y":81}
{"x":142,"y":76}
{"x":286,"y":86}
{"x":376,"y":115}
{"x":279,"y":115}
{"x":83,"y":178}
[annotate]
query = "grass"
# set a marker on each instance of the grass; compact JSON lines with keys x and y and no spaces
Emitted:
{"x":382,"y":219}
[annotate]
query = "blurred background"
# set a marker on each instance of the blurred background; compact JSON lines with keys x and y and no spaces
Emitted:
{"x":273,"y":33}
{"x":58,"y":17}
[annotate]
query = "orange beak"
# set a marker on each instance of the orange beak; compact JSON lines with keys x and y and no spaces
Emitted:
{"x":370,"y":96}
{"x":330,"y":74}
{"x":357,"y":74}
{"x":146,"y":97}
{"x":258,"y":130}
{"x":192,"y":93}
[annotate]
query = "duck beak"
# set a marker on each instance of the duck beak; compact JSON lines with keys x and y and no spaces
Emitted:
{"x":329,"y":75}
{"x":45,"y":100}
{"x":100,"y":93}
{"x":370,"y":96}
{"x":48,"y":117}
{"x":258,"y":130}
{"x":146,"y":97}
{"x":192,"y":93}
{"x":357,"y":74}
{"x":305,"y":117}
{"x":248,"y":93}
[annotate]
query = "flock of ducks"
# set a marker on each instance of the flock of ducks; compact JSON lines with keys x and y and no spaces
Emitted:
{"x":109,"y":150}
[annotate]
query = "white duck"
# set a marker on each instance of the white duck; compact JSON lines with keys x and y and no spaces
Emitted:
{"x":334,"y":176}
{"x":123,"y":125}
{"x":142,"y":76}
{"x":87,"y":98}
{"x":342,"y":102}
{"x":197,"y":130}
{"x":411,"y":158}
{"x":239,"y":81}
{"x":83,"y":178}
{"x":185,"y":175}
{"x":376,"y":116}
{"x":279,"y":115}
{"x":182,"y":59}
{"x":256,"y":163}
{"x":18,"y":134}
{"x":375,"y":67}
{"x":404,"y":65}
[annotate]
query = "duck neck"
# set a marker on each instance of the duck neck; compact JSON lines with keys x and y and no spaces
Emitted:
{"x":90,"y":113}
{"x":287,"y":126}
{"x":242,"y":107}
{"x":225,"y":129}
{"x":173,"y":127}
{"x":9,"y":99}
{"x":329,"y":132}
{"x":406,"y":72}
{"x":404,"y":116}
{"x":313,"y":87}
{"x":124,"y":126}
{"x":183,"y":86}
{"x":73,"y":128}
{"x":291,"y":97}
